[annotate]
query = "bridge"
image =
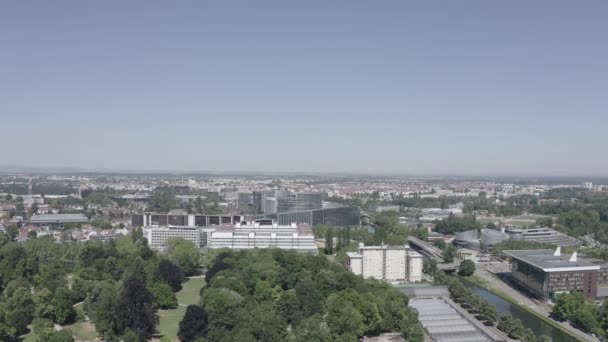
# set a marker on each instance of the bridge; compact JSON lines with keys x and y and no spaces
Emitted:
{"x":432,"y":252}
{"x":426,"y":248}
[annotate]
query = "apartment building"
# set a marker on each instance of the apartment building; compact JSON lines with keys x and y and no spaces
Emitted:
{"x":395,"y":264}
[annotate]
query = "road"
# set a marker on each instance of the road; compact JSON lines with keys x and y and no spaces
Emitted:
{"x":522,"y":300}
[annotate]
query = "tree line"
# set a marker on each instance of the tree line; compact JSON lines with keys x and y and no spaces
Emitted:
{"x":120,"y":283}
{"x":277,"y":295}
{"x":584,"y":314}
{"x":483,"y":310}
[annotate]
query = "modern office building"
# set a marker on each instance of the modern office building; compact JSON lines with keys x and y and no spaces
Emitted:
{"x":246,"y":235}
{"x":396,"y":264}
{"x":301,"y":201}
{"x":544,"y":273}
{"x":245,"y":201}
{"x":336,"y":217}
{"x":159,"y":236}
{"x":269,"y":205}
{"x":190,"y":220}
{"x":57,"y":220}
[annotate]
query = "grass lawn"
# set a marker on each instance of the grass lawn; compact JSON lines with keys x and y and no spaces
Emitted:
{"x":190,"y":293}
{"x":81,"y":330}
{"x":169,"y":319}
{"x":31,"y":337}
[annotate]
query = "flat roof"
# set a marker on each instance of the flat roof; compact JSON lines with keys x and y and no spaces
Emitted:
{"x":546,"y":261}
{"x":58,"y":218}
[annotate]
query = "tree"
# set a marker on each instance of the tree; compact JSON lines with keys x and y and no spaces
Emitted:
{"x":194,"y":324}
{"x":20,"y":208}
{"x":198,"y":204}
{"x":449,"y":253}
{"x":164,"y":298}
{"x":312,"y":329}
{"x":100,"y":306}
{"x":466,"y":268}
{"x":64,"y":311}
{"x":506,"y":323}
{"x":12,"y":231}
{"x":567,"y":305}
{"x":429,"y":266}
{"x":162,"y":201}
{"x":329,"y":241}
{"x":19,"y":307}
{"x":440,"y":244}
{"x":543,"y":338}
{"x":42,"y":327}
{"x":44,"y":307}
{"x":171,"y":274}
{"x":185,"y":254}
{"x":134,"y":309}
{"x":545,"y":221}
{"x":33,"y":209}
{"x":288,"y":306}
{"x":487,"y":312}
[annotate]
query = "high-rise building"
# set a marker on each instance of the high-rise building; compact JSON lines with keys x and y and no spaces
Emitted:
{"x":269,"y":205}
{"x":245,"y":201}
{"x":299,"y":202}
{"x":395,"y":264}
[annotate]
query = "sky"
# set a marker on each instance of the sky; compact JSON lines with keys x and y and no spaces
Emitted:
{"x":404,"y":87}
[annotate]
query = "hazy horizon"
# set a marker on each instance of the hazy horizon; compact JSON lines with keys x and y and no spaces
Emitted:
{"x":441,"y":88}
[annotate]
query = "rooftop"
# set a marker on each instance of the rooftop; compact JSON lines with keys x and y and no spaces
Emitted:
{"x":548,"y":261}
{"x":58,"y":218}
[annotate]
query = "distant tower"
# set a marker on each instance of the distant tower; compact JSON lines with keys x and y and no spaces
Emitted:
{"x":29,"y":186}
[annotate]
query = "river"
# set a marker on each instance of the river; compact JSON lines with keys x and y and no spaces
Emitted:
{"x":530,"y":321}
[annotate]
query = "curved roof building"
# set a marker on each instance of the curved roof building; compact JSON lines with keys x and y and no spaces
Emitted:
{"x":467,"y":238}
{"x":492,"y":237}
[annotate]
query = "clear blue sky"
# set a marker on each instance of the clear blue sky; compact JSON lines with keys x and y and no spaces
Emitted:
{"x":466,"y":87}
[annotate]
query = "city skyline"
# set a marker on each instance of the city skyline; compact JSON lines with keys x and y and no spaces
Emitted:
{"x":402,"y":88}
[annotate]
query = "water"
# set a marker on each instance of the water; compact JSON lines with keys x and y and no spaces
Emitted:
{"x":530,"y":321}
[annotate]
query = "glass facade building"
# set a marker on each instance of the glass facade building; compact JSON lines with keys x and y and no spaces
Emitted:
{"x":336,"y":217}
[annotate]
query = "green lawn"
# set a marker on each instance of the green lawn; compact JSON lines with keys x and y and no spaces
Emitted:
{"x":190,"y":293}
{"x":169,"y":319}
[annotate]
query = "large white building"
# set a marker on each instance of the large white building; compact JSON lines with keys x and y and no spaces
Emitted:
{"x":237,"y":236}
{"x":158,"y":236}
{"x":395,"y":264}
{"x":255,"y":235}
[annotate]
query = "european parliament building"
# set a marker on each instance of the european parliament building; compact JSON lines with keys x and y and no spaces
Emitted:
{"x":336,"y":217}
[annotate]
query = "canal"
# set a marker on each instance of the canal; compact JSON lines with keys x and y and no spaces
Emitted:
{"x":530,"y":321}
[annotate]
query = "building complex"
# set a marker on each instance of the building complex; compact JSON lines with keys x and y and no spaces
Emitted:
{"x":239,"y":235}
